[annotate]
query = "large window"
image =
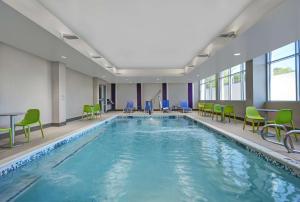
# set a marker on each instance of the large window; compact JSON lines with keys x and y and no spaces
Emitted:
{"x":232,"y":83}
{"x":208,"y":88}
{"x":282,"y":73}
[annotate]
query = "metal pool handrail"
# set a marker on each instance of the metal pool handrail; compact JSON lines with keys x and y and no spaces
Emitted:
{"x":266,"y":135}
{"x":288,"y":143}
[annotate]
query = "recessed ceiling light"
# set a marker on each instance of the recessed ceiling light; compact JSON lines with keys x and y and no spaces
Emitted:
{"x":63,"y":57}
{"x":157,"y":79}
{"x":237,"y":54}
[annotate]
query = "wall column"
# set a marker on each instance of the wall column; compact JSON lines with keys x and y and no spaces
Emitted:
{"x":58,"y":76}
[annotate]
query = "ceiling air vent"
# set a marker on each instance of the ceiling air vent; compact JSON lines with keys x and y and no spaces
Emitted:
{"x":228,"y":35}
{"x":96,"y":56}
{"x":203,"y":55}
{"x":109,"y":67}
{"x":70,"y":36}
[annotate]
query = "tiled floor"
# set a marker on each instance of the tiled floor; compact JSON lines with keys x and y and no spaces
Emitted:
{"x":55,"y":133}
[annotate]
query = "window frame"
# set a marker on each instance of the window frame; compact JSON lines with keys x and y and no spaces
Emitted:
{"x":207,"y":81}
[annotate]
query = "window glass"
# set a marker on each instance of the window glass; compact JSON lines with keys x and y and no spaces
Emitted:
{"x":283,"y":52}
{"x":283,"y":80}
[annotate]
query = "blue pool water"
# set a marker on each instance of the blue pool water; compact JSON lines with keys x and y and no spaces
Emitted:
{"x":150,"y":159}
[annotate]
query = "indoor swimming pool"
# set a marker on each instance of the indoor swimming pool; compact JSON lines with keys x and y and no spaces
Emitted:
{"x":150,"y":159}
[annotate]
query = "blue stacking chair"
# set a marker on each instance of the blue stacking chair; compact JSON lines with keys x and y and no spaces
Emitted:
{"x":129,"y":107}
{"x":165,"y":105}
{"x":185,"y":106}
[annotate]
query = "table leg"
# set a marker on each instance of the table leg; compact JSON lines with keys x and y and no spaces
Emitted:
{"x":12,"y":126}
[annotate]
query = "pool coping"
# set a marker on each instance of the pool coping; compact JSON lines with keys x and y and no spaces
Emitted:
{"x":13,"y":162}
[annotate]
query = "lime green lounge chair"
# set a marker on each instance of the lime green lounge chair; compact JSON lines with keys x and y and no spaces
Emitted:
{"x":229,"y":112}
{"x":7,"y":130}
{"x":253,"y":115}
{"x":208,"y":108}
{"x":88,"y":111}
{"x":217,"y":111}
{"x":200,"y":107}
{"x":283,"y":117}
{"x":97,"y":110}
{"x":32,"y":117}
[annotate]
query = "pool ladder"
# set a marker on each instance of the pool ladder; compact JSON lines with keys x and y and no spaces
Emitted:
{"x":287,"y":141}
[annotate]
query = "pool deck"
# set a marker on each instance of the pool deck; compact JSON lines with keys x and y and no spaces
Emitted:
{"x":233,"y":129}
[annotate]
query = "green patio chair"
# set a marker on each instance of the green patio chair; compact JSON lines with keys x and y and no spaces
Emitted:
{"x":32,"y":117}
{"x":253,"y":115}
{"x":208,"y":108}
{"x":97,"y":109}
{"x":200,"y":107}
{"x":217,"y":111}
{"x":7,"y":130}
{"x":229,"y":112}
{"x":88,"y":112}
{"x":283,"y":117}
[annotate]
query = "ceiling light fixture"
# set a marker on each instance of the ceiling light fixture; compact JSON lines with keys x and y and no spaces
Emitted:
{"x":63,"y":57}
{"x":109,"y":67}
{"x":70,"y":36}
{"x":237,"y":54}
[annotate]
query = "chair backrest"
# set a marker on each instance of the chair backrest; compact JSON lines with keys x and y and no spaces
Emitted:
{"x":284,"y":116}
{"x":217,"y":108}
{"x":32,"y":116}
{"x":208,"y":105}
{"x":184,"y":104}
{"x":97,"y":107}
{"x":165,"y":103}
{"x":200,"y":105}
{"x":87,"y":108}
{"x":228,"y":109}
{"x":130,"y":104}
{"x":251,"y":111}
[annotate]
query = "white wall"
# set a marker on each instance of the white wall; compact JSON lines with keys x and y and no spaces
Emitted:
{"x":25,"y":82}
{"x":124,"y":93}
{"x":79,"y":91}
{"x":177,"y":92}
{"x":149,"y":90}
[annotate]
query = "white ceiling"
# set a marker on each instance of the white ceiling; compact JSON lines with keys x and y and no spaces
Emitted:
{"x":147,"y":41}
{"x":147,"y":33}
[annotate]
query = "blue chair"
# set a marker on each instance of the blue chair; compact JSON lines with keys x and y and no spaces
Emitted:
{"x":165,"y":105}
{"x":129,"y":107}
{"x":148,"y":107}
{"x":185,"y":106}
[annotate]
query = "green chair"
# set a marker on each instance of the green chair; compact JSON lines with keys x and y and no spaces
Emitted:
{"x":283,"y":117}
{"x":217,"y":111}
{"x":229,"y":112}
{"x":208,"y":108}
{"x":32,"y":117}
{"x":253,"y":115}
{"x":7,"y":130}
{"x":88,"y":112}
{"x":200,"y":107}
{"x":97,"y":109}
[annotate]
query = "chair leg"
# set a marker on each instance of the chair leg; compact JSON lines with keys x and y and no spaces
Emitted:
{"x":25,"y":131}
{"x":253,"y":126}
{"x":257,"y":129}
{"x":244,"y":123}
{"x":28,"y":133}
{"x":42,"y":131}
{"x":293,"y":127}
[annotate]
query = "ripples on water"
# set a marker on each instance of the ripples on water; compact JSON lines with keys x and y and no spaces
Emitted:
{"x":157,"y":159}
